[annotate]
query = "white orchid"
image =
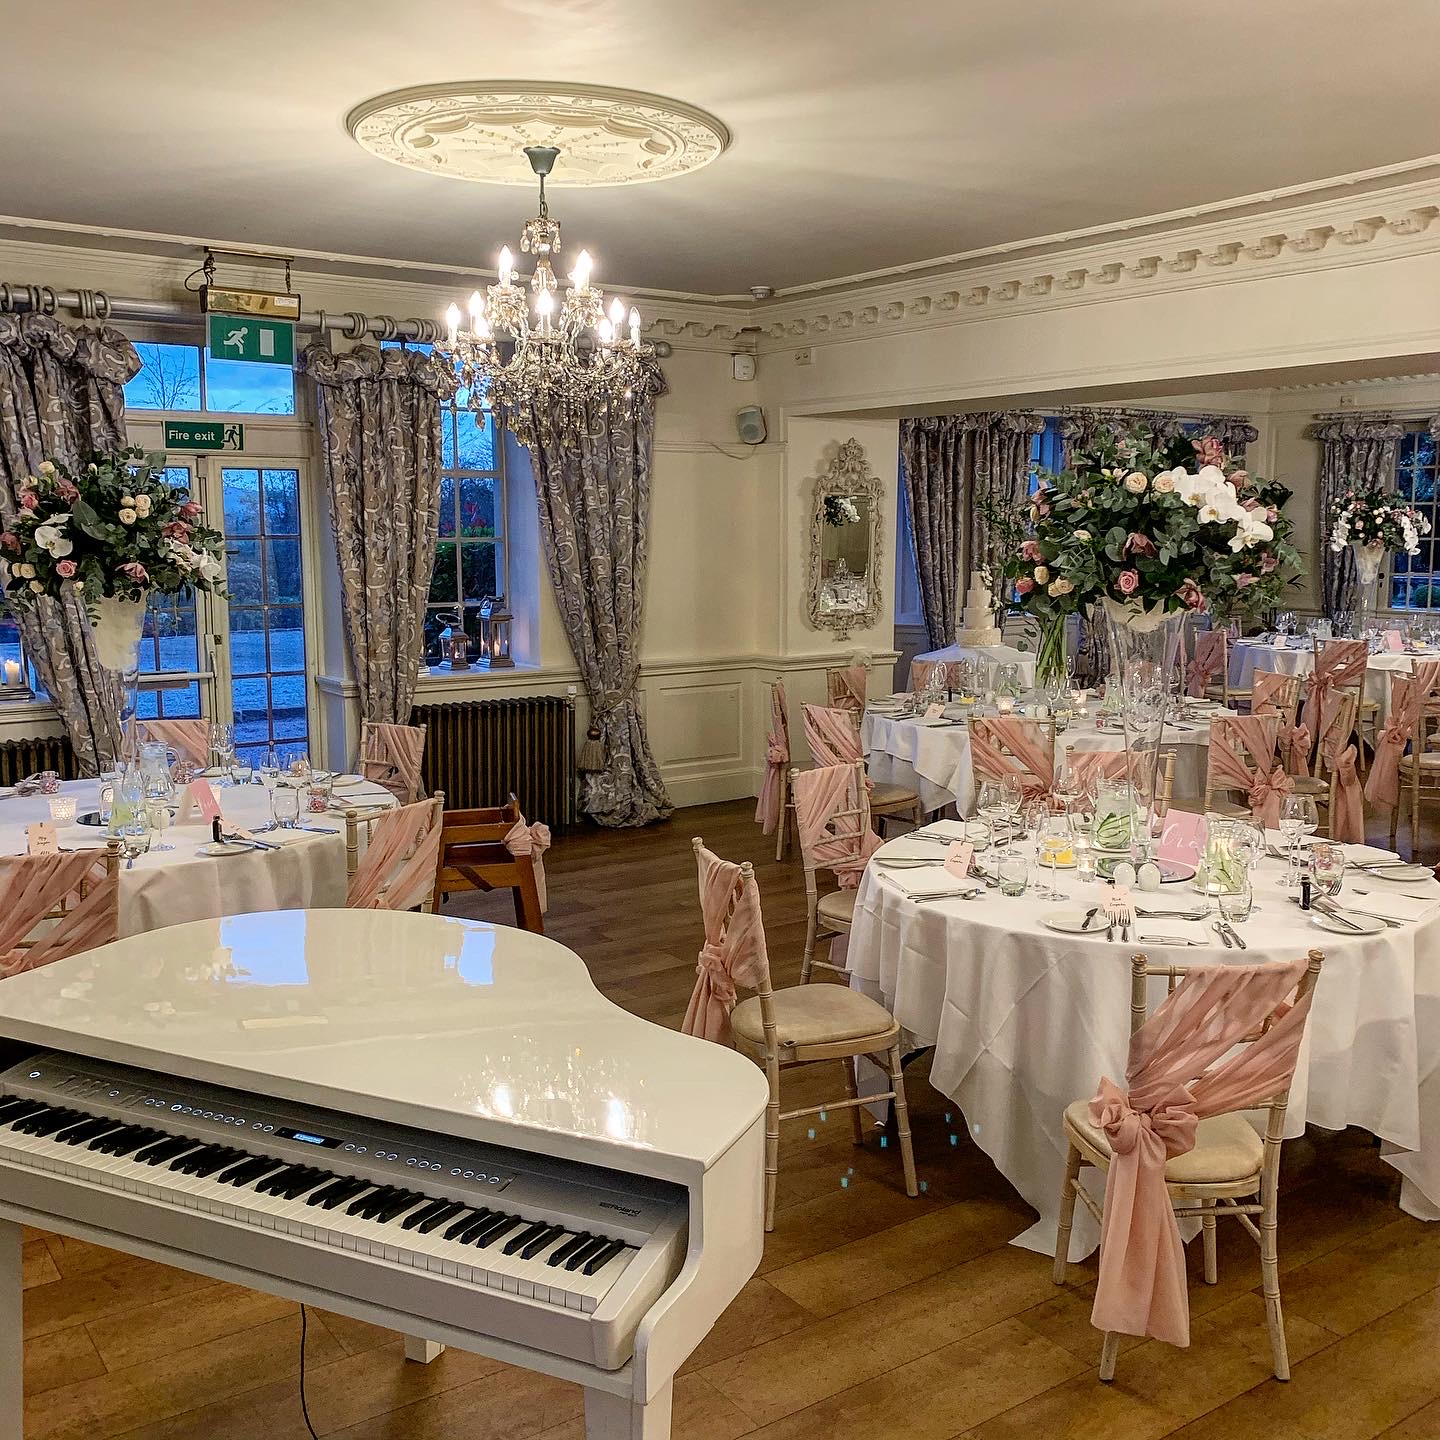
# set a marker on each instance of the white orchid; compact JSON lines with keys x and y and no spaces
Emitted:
{"x":53,"y":539}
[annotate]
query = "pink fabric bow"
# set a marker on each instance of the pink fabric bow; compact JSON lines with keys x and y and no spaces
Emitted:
{"x":1408,"y":694}
{"x":1180,"y":1072}
{"x":1336,"y":664}
{"x":777,"y":759}
{"x":1293,"y":744}
{"x":1347,"y":819}
{"x":534,"y":841}
{"x":1208,"y":662}
{"x":1229,"y":769}
{"x":1266,"y":795}
{"x":734,"y":948}
{"x":1029,"y":754}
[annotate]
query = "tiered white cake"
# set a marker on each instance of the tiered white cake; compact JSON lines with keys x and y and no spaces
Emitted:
{"x":977,"y":624}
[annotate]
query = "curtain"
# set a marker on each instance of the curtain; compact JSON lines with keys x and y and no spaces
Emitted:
{"x":1080,"y":426}
{"x":592,"y":465}
{"x":1354,"y":450}
{"x":379,"y":415}
{"x":948,"y":463}
{"x":62,"y":396}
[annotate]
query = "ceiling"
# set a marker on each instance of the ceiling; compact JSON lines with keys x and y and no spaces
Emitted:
{"x":865,"y":134}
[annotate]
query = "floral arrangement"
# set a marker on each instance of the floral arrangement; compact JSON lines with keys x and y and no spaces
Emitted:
{"x":115,"y":528}
{"x":1129,"y":524}
{"x":1375,"y":518}
{"x":841,"y":510}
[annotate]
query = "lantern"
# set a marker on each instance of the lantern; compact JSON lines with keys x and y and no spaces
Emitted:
{"x":495,"y":634}
{"x":457,"y":649}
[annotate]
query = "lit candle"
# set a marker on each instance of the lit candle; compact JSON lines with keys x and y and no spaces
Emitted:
{"x":606,"y":331}
{"x":617,"y":314}
{"x":1004,"y":704}
{"x":481,"y":327}
{"x":634,"y":326}
{"x":580,"y":275}
{"x":452,"y":324}
{"x":12,"y":674}
{"x":507,"y":264}
{"x":544,"y":308}
{"x":477,"y":310}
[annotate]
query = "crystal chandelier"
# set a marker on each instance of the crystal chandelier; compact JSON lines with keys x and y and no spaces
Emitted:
{"x":523,"y":348}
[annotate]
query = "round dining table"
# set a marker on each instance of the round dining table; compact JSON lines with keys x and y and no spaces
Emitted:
{"x":991,"y":655}
{"x":932,"y":757}
{"x":305,"y":869}
{"x":1024,"y":1020}
{"x":1247,"y":656}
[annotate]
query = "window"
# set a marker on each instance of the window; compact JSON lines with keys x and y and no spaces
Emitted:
{"x":171,"y":643}
{"x":186,"y":378}
{"x":1415,"y":579}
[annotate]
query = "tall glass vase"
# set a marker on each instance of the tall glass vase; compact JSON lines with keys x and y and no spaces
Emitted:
{"x":117,"y":625}
{"x":1144,"y":648}
{"x":1050,"y":657}
{"x":1369,"y":561}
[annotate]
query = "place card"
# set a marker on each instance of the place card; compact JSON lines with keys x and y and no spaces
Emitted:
{"x":1183,"y":837}
{"x":958,"y":857}
{"x":198,"y":797}
{"x":40,"y":838}
{"x":1394,"y":641}
{"x":933,"y":712}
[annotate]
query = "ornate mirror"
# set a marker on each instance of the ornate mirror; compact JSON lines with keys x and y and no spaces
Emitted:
{"x":844,"y":581}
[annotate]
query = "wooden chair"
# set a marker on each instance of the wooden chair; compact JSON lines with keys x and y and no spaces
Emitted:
{"x":54,"y":906}
{"x":392,"y":756}
{"x":401,"y":861}
{"x":773,"y":808}
{"x":1231,"y":1172}
{"x":1209,"y":656}
{"x":846,"y":687}
{"x":1004,"y":745}
{"x":800,"y":1025}
{"x":1233,"y":765}
{"x":474,"y":855}
{"x":1322,"y":785}
{"x":188,"y":738}
{"x":834,"y":740}
{"x":1340,"y":666}
{"x":1419,"y":770}
{"x":1273,"y":693}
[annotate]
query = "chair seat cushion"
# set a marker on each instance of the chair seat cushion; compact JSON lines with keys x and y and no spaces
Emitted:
{"x":818,"y":1014}
{"x":884,"y":797}
{"x":837,"y":908}
{"x":1429,"y":760}
{"x":1227,"y":1148}
{"x":1309,"y":785}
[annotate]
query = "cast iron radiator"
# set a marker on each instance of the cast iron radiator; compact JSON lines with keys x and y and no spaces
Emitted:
{"x":19,"y":758}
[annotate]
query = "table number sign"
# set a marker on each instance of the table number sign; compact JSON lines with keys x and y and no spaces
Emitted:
{"x":1394,"y":641}
{"x":1183,"y":837}
{"x":40,"y":838}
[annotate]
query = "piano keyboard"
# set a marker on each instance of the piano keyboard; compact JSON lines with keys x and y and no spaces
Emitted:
{"x":463,"y":1213}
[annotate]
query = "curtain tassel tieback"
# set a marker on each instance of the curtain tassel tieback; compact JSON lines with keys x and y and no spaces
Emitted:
{"x":592,"y":753}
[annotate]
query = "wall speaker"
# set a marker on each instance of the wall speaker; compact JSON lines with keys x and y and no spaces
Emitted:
{"x":750,"y":424}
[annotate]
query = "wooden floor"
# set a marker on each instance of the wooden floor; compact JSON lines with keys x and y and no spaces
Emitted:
{"x":872,"y":1315}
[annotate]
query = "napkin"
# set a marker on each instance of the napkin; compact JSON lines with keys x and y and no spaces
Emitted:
{"x":1390,"y":906}
{"x":920,"y":884}
{"x":944,"y":829}
{"x":906,"y":848}
{"x":1368,"y":855}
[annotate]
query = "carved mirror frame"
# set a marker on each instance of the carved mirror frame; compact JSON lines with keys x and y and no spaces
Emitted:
{"x":848,"y":474}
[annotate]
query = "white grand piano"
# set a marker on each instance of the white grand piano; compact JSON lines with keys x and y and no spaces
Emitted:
{"x":435,"y":1125}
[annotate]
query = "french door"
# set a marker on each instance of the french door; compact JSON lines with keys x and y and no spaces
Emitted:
{"x":240,"y":658}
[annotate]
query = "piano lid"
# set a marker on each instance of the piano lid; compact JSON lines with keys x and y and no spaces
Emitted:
{"x":474,"y":1030}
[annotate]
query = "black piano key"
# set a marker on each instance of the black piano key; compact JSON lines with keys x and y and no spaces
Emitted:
{"x":415,"y":1217}
{"x":348,"y":1191}
{"x":126,"y":1144}
{"x":580,"y":1256}
{"x":271,"y":1184}
{"x":12,"y":1105}
{"x":367,"y":1205}
{"x":19,"y":1110}
{"x":601,"y":1258}
{"x":167,"y":1148}
{"x":447,"y":1212}
{"x":540,"y":1242}
{"x":485,"y":1238}
{"x":405,"y":1200}
{"x":456,"y":1228}
{"x":539,"y":1227}
{"x":49,"y":1123}
{"x":190,"y":1162}
{"x":96,"y":1125}
{"x":482,"y":1222}
{"x":213,"y":1163}
{"x":299,"y":1185}
{"x":248,"y":1170}
{"x":570,"y":1247}
{"x":21,"y":1124}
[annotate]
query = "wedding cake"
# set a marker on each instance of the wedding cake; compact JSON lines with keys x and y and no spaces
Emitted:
{"x":977,"y":624}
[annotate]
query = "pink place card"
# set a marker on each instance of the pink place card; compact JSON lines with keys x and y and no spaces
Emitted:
{"x":1183,"y":837}
{"x":1394,"y":641}
{"x":40,"y":838}
{"x":198,"y":796}
{"x":958,"y":857}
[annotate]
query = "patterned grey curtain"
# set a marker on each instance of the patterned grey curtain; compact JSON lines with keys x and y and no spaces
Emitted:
{"x":1000,"y":446}
{"x":1080,"y":426}
{"x":1354,"y":450}
{"x":379,"y":418}
{"x":62,"y":396}
{"x":592,"y":468}
{"x":932,"y":469}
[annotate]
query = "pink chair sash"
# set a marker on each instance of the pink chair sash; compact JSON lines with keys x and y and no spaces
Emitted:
{"x":1178,"y":1075}
{"x":1339,"y":662}
{"x":1347,"y":817}
{"x":732,"y":954}
{"x":832,"y":736}
{"x":190,"y":737}
{"x":393,"y":757}
{"x":846,"y":686}
{"x":398,"y":869}
{"x":820,"y":795}
{"x":1265,"y":688}
{"x":777,"y":761}
{"x":32,"y":886}
{"x":921,"y":671}
{"x":1266,"y":784}
{"x":1408,"y":694}
{"x":534,"y":841}
{"x":1292,"y":743}
{"x":1030,"y":756}
{"x":1088,"y":765}
{"x":1208,"y":661}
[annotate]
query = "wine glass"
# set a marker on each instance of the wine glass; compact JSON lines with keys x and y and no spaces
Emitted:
{"x":285,"y":804}
{"x":268,"y":765}
{"x":157,"y":817}
{"x":1056,"y":844}
{"x":222,"y":744}
{"x":1327,"y":866}
{"x":1298,"y":817}
{"x":1012,"y":788}
{"x":990,"y":802}
{"x":135,"y":837}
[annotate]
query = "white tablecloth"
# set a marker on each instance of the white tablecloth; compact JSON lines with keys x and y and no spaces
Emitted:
{"x":1246,"y":656}
{"x":991,"y":655}
{"x":1024,"y":1020}
{"x":169,"y":887}
{"x":934,"y":759}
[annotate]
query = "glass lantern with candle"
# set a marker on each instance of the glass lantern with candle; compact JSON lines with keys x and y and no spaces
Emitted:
{"x":495,"y":621}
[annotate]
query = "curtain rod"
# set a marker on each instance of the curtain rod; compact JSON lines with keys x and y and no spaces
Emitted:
{"x":97,"y":305}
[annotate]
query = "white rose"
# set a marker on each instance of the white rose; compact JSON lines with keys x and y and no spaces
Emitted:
{"x":47,"y":467}
{"x":1060,"y":587}
{"x":77,"y":586}
{"x":128,"y":501}
{"x":1135,"y":482}
{"x":1042,"y":574}
{"x":1163,"y":483}
{"x":25,"y":572}
{"x":1082,"y":535}
{"x":127,"y":517}
{"x":1034,"y":512}
{"x":142,"y":506}
{"x":37,"y":587}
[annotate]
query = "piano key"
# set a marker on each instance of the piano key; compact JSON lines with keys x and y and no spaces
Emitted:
{"x":424,"y":1213}
{"x":580,"y":1256}
{"x":491,"y":1233}
{"x":564,"y":1252}
{"x":468,"y":1217}
{"x":543,"y":1241}
{"x":602,"y":1257}
{"x":371,"y":1204}
{"x":437,"y":1218}
{"x":91,"y":1125}
{"x":525,"y":1236}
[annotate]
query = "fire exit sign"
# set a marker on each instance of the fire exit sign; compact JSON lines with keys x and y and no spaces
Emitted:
{"x":250,"y":337}
{"x":204,"y":435}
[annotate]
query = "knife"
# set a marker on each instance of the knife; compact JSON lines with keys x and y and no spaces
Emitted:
{"x":1325,"y":908}
{"x":1166,"y":940}
{"x":1234,"y":934}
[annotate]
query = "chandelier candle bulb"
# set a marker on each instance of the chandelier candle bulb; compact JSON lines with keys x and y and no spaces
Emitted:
{"x":634,"y":326}
{"x":452,"y":323}
{"x":580,"y":275}
{"x":507,"y":265}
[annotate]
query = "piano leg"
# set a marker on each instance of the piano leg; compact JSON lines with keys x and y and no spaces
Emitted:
{"x":422,"y":1351}
{"x":618,"y":1417}
{"x":12,"y":1335}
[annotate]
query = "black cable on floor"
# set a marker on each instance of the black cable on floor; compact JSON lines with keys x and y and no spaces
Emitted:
{"x":304,"y":1408}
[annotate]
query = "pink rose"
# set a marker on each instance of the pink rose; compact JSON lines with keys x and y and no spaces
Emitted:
{"x":1024,"y":587}
{"x":1244,"y":580}
{"x":190,"y":510}
{"x":1267,"y":564}
{"x":1043,"y":509}
{"x":136,"y":571}
{"x":1193,"y":597}
{"x":1251,"y":504}
{"x":177,"y":530}
{"x":10,"y":540}
{"x":1030,"y":550}
{"x":1209,"y":451}
{"x":1137,"y":544}
{"x":1271,"y":514}
{"x":29,"y":500}
{"x":69,"y":491}
{"x":1239,"y":478}
{"x":1128,"y":582}
{"x":66,"y":569}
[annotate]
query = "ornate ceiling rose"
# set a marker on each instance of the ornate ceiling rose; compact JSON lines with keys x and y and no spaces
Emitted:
{"x":478,"y":130}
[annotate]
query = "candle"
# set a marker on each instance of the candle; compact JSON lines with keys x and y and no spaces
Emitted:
{"x":1004,"y":704}
{"x":12,"y":674}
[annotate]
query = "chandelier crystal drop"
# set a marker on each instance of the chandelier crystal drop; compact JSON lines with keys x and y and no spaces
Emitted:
{"x":519,"y":344}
